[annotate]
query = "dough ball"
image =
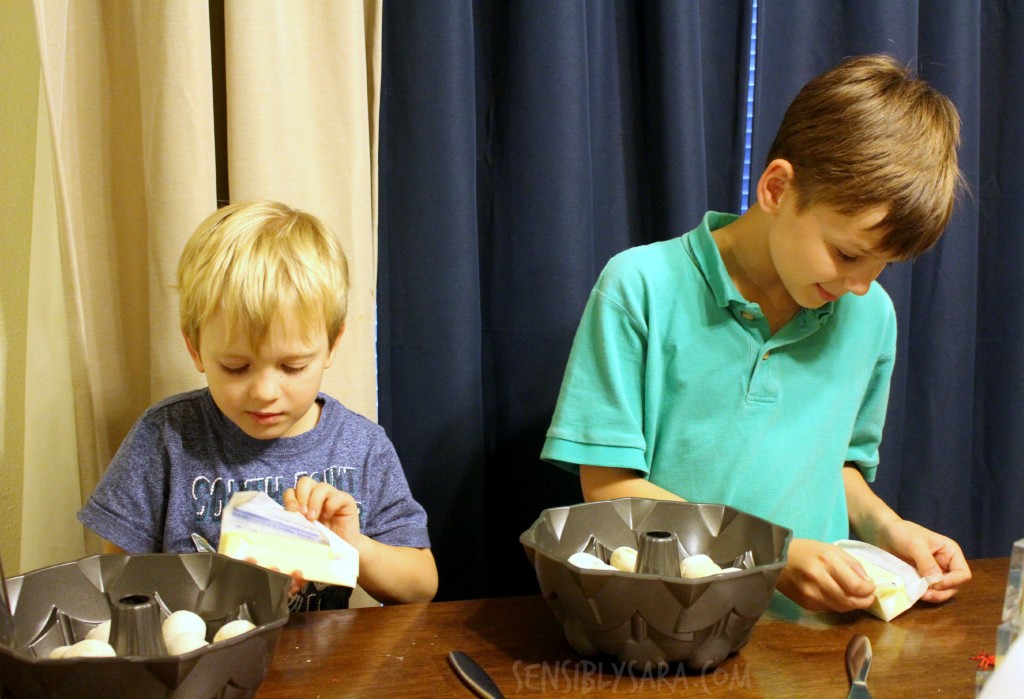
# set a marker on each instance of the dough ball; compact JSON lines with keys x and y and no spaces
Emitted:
{"x":698,"y":566}
{"x":232,"y":629}
{"x":589,"y":562}
{"x":59,"y":652}
{"x":90,"y":648}
{"x":624,"y":559}
{"x":101,"y":632}
{"x":185,"y":643}
{"x":183,"y":622}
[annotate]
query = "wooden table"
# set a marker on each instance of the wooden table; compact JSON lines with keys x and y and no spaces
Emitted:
{"x":402,"y":651}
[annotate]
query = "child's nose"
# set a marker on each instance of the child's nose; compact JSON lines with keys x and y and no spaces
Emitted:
{"x":859,"y":281}
{"x":264,"y":386}
{"x":858,"y":285}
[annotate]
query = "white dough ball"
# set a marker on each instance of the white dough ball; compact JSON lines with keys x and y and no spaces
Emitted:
{"x":100,"y":632}
{"x":59,"y":652}
{"x":698,"y":566}
{"x":183,"y":621}
{"x":185,"y":643}
{"x":589,"y":562}
{"x":624,"y":559}
{"x":90,"y":648}
{"x":232,"y":629}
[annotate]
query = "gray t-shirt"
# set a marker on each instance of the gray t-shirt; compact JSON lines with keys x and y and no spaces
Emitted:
{"x":183,"y":459}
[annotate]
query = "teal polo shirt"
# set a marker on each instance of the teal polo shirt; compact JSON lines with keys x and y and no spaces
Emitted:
{"x":675,"y":375}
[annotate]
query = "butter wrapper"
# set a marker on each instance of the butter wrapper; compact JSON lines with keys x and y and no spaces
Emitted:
{"x":255,"y":527}
{"x":897,"y":583}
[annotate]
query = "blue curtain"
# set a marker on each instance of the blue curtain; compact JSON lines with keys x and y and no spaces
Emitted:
{"x":997,"y":514}
{"x":522,"y":144}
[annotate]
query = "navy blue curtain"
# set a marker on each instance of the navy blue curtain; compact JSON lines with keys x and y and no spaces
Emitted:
{"x":998,"y":405}
{"x":952,"y":448}
{"x":522,"y":144}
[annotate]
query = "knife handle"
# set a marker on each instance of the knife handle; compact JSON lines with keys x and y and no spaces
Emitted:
{"x":475,"y":677}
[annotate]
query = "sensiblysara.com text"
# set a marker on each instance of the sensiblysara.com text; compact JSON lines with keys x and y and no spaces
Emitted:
{"x":586,"y":676}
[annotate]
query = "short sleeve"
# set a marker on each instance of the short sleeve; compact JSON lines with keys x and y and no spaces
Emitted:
{"x":128,"y":506}
{"x":394,"y":517}
{"x":867,"y":429}
{"x":599,"y":416}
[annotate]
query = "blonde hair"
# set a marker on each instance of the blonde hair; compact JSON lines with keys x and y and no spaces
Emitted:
{"x":867,"y":133}
{"x":255,"y":260}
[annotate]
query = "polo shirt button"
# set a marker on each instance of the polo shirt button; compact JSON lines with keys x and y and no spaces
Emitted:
{"x":747,"y":315}
{"x":767,"y":354}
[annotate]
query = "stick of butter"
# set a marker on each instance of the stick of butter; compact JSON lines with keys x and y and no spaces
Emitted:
{"x":891,"y":598}
{"x":255,"y":527}
{"x":897,"y":583}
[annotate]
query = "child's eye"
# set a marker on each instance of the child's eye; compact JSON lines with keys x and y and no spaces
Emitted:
{"x":234,"y":370}
{"x":844,"y":257}
{"x":293,"y":369}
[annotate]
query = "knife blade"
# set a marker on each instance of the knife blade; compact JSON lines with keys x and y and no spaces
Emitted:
{"x":475,"y":677}
{"x":858,"y":662}
{"x":202,"y":545}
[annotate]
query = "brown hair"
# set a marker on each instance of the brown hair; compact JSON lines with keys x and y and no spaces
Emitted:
{"x":868,"y":133}
{"x":255,"y":260}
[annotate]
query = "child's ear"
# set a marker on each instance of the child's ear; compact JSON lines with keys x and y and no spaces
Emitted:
{"x":334,"y":348}
{"x":775,"y":180}
{"x":194,"y":353}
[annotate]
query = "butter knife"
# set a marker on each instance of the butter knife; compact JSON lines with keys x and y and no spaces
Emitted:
{"x":202,"y":545}
{"x":475,"y":677}
{"x":858,"y":662}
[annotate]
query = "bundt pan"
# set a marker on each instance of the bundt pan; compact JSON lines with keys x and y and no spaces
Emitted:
{"x":59,"y":605}
{"x":649,"y":619}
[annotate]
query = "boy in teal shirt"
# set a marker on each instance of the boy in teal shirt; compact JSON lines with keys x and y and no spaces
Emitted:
{"x":732,"y":365}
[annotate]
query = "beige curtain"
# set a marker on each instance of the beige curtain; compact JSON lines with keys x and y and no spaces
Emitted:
{"x":129,"y":94}
{"x":128,"y":85}
{"x":50,"y":483}
{"x":301,"y":129}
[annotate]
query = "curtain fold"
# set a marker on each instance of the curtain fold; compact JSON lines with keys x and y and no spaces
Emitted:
{"x":523,"y":144}
{"x":998,"y":194}
{"x":301,"y":113}
{"x":128,"y":92}
{"x":50,"y":533}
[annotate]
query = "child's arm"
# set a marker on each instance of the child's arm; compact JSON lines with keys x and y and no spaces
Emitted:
{"x":604,"y":483}
{"x":931,"y":553}
{"x":396,"y":574}
{"x":390,"y":574}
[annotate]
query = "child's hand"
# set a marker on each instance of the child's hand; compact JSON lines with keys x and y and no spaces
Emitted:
{"x":822,"y":576}
{"x":334,"y":508}
{"x":931,"y":554}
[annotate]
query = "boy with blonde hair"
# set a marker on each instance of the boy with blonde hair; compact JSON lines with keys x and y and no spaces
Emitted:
{"x":731,"y":365}
{"x":263,"y":301}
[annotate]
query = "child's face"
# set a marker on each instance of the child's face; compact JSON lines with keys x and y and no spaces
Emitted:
{"x":821,"y":254}
{"x":269,"y":391}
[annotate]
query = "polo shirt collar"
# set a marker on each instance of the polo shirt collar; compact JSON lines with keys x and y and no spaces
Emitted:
{"x":708,"y":259}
